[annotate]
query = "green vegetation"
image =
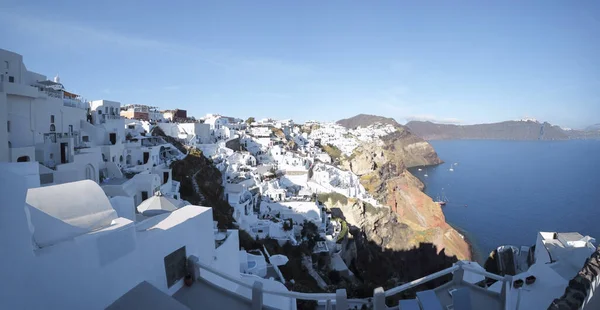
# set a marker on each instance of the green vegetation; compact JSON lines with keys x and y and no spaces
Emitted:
{"x":250,"y":120}
{"x":343,"y":231}
{"x":333,"y":151}
{"x":334,"y":197}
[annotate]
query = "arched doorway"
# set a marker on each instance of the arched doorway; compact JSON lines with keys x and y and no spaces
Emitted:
{"x":90,"y":172}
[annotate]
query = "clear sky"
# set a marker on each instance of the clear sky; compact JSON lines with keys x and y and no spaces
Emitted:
{"x":452,"y":61}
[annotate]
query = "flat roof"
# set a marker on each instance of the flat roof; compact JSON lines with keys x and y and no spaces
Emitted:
{"x":146,"y":296}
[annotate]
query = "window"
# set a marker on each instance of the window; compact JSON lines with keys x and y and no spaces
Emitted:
{"x":11,"y":79}
{"x":52,"y":119}
{"x":52,"y":128}
{"x":70,"y":128}
{"x":6,"y":64}
{"x":8,"y":126}
{"x":85,"y":139}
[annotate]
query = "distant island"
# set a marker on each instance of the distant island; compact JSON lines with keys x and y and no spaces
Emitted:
{"x":508,"y":130}
{"x":365,"y":120}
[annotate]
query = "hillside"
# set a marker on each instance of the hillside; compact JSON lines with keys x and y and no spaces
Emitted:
{"x":364,"y":120}
{"x":509,"y":130}
{"x":595,"y":127}
{"x":413,"y":217}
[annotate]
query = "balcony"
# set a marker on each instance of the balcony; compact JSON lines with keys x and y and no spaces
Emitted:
{"x":74,"y":103}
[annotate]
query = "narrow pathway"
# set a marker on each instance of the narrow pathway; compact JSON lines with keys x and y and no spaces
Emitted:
{"x":307,"y":262}
{"x":197,"y":189}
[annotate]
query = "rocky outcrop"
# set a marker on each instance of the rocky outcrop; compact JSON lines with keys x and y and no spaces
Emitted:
{"x":365,"y":120}
{"x":581,"y":286}
{"x":200,"y":184}
{"x":411,"y":217}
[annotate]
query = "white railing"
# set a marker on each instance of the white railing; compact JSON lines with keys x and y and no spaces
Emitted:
{"x":411,"y":284}
{"x":339,"y":297}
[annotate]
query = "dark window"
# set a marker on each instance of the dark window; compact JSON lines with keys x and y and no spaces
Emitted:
{"x":11,"y":79}
{"x":70,"y":128}
{"x":23,"y":159}
{"x":52,"y":119}
{"x":144,"y":196}
{"x":52,"y":128}
{"x":85,"y":139}
{"x":175,"y":266}
{"x":8,"y":126}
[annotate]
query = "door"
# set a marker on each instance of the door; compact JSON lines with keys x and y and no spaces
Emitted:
{"x":146,"y":157}
{"x":113,"y":138}
{"x":165,"y":177}
{"x":144,"y":196}
{"x":64,"y":148}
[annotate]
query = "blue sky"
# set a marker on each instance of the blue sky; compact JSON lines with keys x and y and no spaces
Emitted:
{"x":448,"y":61}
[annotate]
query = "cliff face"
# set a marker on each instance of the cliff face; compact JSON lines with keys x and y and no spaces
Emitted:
{"x":412,"y":217}
{"x":510,"y":130}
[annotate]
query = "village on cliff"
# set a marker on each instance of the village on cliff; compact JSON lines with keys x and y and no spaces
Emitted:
{"x":95,"y":215}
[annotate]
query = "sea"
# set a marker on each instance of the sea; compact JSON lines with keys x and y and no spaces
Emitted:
{"x":504,"y":192}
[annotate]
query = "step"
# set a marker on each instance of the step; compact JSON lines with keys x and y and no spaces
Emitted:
{"x":409,"y":304}
{"x":428,"y":300}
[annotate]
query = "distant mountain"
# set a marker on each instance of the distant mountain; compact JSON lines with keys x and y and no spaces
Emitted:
{"x":364,"y":120}
{"x":509,"y":130}
{"x":595,"y":127}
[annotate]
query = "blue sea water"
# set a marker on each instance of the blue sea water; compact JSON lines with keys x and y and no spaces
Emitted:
{"x":504,"y":192}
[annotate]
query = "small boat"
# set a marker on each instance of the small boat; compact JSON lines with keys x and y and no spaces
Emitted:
{"x":420,"y":169}
{"x":441,"y":201}
{"x":451,"y":169}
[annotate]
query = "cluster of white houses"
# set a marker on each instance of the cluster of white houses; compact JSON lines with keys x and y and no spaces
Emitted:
{"x":91,"y":217}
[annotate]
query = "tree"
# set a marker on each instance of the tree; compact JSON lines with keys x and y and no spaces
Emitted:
{"x":250,"y":120}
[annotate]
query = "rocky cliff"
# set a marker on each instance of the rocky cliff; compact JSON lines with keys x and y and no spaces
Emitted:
{"x":411,"y":217}
{"x":509,"y":130}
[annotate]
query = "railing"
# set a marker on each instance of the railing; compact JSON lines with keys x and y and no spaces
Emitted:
{"x":75,"y":103}
{"x":340,"y":298}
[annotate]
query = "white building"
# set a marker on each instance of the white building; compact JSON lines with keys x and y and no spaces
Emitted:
{"x":44,"y":123}
{"x":64,"y":240}
{"x":192,"y":133}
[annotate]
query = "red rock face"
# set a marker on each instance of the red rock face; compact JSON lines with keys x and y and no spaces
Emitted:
{"x":405,"y":198}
